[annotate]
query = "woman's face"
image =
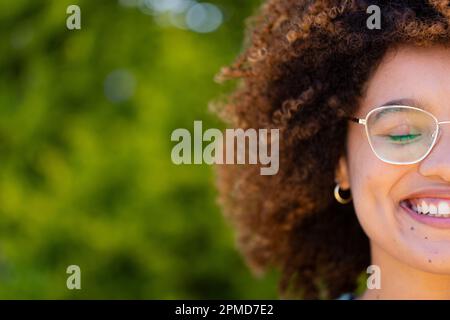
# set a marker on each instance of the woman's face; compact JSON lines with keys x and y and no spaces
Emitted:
{"x":419,"y":77}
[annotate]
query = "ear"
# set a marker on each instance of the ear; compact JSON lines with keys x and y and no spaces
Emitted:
{"x":341,"y":175}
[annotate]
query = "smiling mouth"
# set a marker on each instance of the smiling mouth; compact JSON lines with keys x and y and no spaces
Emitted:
{"x":432,"y":207}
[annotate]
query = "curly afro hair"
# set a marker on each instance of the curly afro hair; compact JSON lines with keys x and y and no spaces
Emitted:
{"x":303,"y":69}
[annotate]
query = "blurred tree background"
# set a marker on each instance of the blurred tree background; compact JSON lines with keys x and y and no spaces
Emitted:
{"x":86,"y":176}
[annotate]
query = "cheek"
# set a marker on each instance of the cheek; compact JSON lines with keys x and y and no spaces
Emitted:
{"x":372,"y":182}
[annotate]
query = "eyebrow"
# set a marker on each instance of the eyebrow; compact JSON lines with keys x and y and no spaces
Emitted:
{"x":406,"y":102}
{"x":402,"y":102}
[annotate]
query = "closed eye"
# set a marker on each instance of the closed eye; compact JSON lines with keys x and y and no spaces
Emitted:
{"x":404,"y":138}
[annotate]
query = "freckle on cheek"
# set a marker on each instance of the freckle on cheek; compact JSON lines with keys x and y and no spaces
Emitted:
{"x":429,"y":260}
{"x":412,"y":228}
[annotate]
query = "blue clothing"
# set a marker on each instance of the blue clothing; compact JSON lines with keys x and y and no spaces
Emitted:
{"x":346,"y":296}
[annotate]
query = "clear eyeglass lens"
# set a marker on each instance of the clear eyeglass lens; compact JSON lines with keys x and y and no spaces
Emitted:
{"x":401,"y":134}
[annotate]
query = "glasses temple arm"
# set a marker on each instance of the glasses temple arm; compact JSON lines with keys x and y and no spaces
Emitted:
{"x":357,"y":120}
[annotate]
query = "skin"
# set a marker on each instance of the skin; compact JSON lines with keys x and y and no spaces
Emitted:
{"x":414,"y":258}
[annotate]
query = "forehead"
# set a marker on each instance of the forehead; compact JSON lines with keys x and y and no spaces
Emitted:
{"x":420,"y":76}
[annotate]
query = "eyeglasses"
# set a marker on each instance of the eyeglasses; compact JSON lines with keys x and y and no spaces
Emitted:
{"x":401,"y":134}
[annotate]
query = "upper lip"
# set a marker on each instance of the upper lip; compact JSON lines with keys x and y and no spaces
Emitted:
{"x":440,"y":193}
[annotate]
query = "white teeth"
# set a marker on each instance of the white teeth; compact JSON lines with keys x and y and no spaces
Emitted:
{"x":425,"y":208}
{"x":433,"y":209}
{"x":441,"y":209}
{"x":444,"y":208}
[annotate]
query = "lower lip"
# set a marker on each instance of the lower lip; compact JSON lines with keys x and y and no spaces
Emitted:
{"x":436,"y":222}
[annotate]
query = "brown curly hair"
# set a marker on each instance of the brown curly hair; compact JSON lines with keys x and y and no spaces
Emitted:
{"x":303,"y":70}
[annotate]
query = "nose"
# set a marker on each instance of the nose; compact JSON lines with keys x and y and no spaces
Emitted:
{"x":437,"y":163}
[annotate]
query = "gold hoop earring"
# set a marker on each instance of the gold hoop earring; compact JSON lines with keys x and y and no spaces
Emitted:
{"x":338,"y":196}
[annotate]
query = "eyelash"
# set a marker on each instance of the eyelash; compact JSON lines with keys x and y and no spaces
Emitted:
{"x":401,"y":138}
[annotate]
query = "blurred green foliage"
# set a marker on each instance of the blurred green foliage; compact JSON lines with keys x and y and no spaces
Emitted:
{"x":90,"y":182}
